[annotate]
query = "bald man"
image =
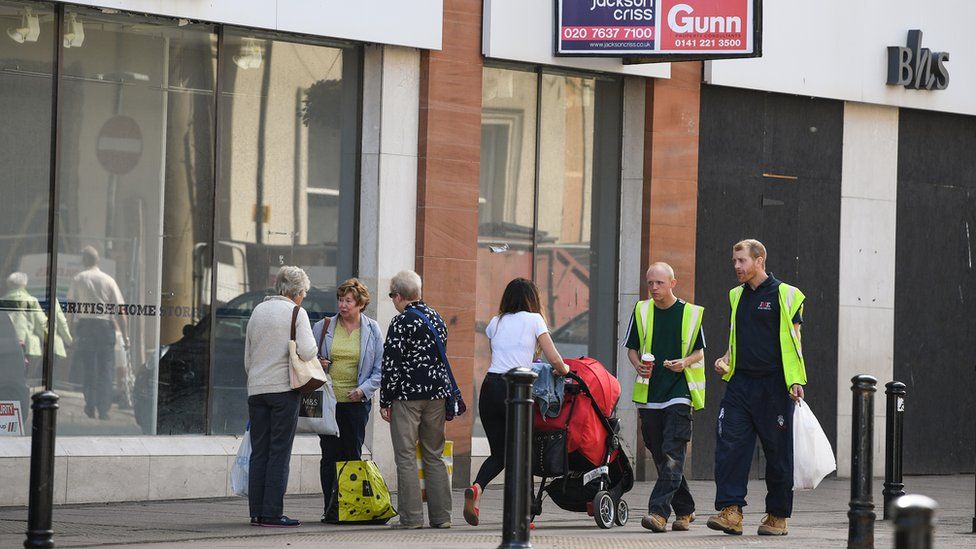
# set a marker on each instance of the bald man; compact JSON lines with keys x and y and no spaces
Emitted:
{"x":667,"y":389}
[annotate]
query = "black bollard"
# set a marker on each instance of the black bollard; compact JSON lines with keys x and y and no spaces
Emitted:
{"x":894,"y":488}
{"x":860,"y":533}
{"x":39,"y":524}
{"x":914,"y":524}
{"x":518,"y":460}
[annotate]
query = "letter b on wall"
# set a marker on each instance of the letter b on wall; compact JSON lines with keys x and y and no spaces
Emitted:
{"x":900,"y":71}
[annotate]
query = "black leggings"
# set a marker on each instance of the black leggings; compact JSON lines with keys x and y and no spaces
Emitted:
{"x":492,"y":409}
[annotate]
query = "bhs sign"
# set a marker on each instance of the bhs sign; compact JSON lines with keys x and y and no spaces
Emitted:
{"x":915,"y":67}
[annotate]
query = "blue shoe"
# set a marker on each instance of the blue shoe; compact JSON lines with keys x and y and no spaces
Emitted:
{"x":278,"y":522}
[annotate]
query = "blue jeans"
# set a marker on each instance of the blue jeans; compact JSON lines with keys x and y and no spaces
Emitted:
{"x":274,"y":417}
{"x":666,"y":434}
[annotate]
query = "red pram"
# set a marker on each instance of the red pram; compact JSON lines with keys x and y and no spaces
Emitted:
{"x":596,"y":471}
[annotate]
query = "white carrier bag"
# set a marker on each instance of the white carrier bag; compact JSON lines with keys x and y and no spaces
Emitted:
{"x":242,"y":465}
{"x":813,"y":458}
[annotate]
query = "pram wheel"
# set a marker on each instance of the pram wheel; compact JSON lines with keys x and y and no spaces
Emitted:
{"x":623,"y":513}
{"x":604,"y":511}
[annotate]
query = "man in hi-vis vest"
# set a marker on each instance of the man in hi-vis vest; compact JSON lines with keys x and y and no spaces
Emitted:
{"x":765,"y":373}
{"x":667,"y":388}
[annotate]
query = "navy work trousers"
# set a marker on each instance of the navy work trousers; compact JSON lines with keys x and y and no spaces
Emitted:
{"x":666,"y":434}
{"x":755,"y":406}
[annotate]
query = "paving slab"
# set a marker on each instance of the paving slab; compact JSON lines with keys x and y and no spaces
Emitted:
{"x":819,"y":521}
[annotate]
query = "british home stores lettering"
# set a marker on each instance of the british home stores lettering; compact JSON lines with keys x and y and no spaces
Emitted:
{"x":129,"y":309}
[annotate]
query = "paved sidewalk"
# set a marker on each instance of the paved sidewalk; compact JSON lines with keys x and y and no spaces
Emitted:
{"x":819,"y":521}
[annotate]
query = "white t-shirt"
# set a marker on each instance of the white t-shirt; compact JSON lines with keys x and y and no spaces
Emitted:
{"x":514,"y":337}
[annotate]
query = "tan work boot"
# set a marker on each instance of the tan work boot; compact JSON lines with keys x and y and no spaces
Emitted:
{"x":654,"y":523}
{"x":728,"y":520}
{"x":773,"y":526}
{"x":682,"y":523}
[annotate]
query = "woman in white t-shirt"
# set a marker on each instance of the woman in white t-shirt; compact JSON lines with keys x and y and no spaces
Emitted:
{"x":516,"y":335}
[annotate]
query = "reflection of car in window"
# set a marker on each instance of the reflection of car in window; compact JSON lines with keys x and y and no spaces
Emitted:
{"x":184,"y":369}
{"x":572,"y":338}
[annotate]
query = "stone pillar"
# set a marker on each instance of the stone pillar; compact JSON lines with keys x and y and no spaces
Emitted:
{"x":866,"y":323}
{"x":388,"y":195}
{"x":447,"y":197}
{"x":630,"y":275}
{"x":670,"y":199}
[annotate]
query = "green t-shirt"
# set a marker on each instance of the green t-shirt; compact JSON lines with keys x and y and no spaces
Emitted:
{"x":665,"y":387}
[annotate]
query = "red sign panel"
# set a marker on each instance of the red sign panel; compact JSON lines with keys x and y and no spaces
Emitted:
{"x":705,"y":25}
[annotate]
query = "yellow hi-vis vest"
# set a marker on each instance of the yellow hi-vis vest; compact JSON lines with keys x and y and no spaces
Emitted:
{"x":790,"y":302}
{"x":691,"y":321}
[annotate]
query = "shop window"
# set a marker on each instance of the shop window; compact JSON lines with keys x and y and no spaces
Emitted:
{"x":548,"y":205}
{"x":578,"y":219}
{"x":286,"y":192}
{"x":136,"y":187}
{"x":163,"y":214}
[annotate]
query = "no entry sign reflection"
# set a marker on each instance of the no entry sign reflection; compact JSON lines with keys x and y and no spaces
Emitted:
{"x":119,"y":145}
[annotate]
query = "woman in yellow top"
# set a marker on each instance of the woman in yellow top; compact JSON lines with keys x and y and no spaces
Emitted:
{"x":352,"y":352}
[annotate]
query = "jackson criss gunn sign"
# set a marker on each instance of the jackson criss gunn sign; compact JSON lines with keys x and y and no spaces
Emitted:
{"x":659,"y":30}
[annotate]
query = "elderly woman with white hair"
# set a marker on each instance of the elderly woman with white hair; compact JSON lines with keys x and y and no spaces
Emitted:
{"x":271,"y":403}
{"x":30,"y":322}
{"x":413,"y":388}
{"x":25,"y":312}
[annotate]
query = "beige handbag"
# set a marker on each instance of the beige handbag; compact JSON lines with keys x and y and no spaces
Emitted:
{"x":304,"y":375}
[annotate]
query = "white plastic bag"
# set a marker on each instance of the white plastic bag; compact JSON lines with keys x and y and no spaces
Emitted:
{"x":239,"y":472}
{"x":813,"y":458}
{"x":316,"y":414}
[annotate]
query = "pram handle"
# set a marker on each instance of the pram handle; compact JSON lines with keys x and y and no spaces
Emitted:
{"x":574,"y":377}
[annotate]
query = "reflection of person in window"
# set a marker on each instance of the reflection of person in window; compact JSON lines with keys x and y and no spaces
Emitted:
{"x":95,"y":332}
{"x":30,"y":323}
{"x":13,"y":363}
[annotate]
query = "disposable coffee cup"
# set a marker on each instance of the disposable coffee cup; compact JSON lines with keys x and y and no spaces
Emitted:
{"x":646,"y":360}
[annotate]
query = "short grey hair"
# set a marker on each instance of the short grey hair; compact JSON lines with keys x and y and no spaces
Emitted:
{"x":291,"y":281}
{"x":407,"y":285}
{"x":17,"y":280}
{"x":89,"y":256}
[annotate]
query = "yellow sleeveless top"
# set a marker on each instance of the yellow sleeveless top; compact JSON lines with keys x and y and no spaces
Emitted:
{"x":345,"y":362}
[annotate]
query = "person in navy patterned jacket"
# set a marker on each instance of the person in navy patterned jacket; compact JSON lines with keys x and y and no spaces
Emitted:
{"x":413,"y":389}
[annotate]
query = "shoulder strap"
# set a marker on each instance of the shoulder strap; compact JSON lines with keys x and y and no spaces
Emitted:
{"x":440,"y":345}
{"x":294,"y":317}
{"x":325,"y":328}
